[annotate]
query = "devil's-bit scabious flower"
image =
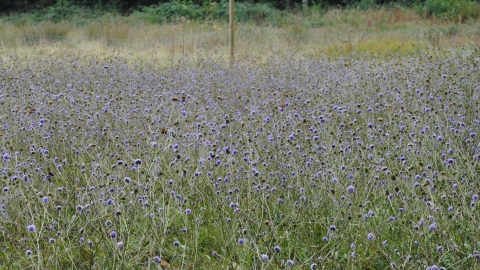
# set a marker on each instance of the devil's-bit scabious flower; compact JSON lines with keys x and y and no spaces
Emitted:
{"x":31,"y":228}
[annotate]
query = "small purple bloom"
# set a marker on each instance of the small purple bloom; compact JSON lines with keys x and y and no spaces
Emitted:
{"x":370,"y":236}
{"x":31,"y":228}
{"x":350,"y":188}
{"x":113,"y":234}
{"x":264,"y":257}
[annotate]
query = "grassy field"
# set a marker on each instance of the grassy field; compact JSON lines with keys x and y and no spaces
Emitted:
{"x":352,"y":143}
{"x":314,"y":34}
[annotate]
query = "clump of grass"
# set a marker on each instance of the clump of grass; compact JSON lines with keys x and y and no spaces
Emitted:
{"x":114,"y":31}
{"x":8,"y":37}
{"x":55,"y":31}
{"x":389,"y":45}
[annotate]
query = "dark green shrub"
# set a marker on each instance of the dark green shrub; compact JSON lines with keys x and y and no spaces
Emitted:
{"x":171,"y":11}
{"x":452,"y":9}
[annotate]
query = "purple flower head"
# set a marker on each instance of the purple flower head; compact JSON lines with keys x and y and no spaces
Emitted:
{"x":370,"y":236}
{"x":176,"y":243}
{"x":241,"y":241}
{"x":290,"y":263}
{"x":433,"y":226}
{"x":113,"y":234}
{"x":31,"y":228}
{"x":45,"y":199}
{"x":79,"y":208}
{"x":475,"y":197}
{"x":277,"y":249}
{"x":264,"y":257}
{"x":28,"y":252}
{"x":350,"y":188}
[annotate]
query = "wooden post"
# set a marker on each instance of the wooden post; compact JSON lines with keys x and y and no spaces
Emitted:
{"x":231,"y":16}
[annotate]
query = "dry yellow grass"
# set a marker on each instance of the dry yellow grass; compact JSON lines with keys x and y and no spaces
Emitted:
{"x":337,"y":32}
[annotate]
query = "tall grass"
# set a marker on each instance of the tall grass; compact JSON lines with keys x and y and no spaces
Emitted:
{"x":315,"y":32}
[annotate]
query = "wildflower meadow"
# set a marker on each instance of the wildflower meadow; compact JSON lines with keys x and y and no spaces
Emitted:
{"x":349,"y":162}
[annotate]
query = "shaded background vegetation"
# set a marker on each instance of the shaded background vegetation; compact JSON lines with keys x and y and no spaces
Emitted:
{"x":162,"y":10}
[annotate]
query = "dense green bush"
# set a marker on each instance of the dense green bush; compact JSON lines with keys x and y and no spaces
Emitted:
{"x":450,"y":9}
{"x":172,"y":10}
{"x":75,"y":14}
{"x":244,"y":12}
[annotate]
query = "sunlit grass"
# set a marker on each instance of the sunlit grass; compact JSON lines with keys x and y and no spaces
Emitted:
{"x":334,"y":33}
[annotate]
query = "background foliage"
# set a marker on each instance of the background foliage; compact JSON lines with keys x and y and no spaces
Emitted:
{"x":158,"y":11}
